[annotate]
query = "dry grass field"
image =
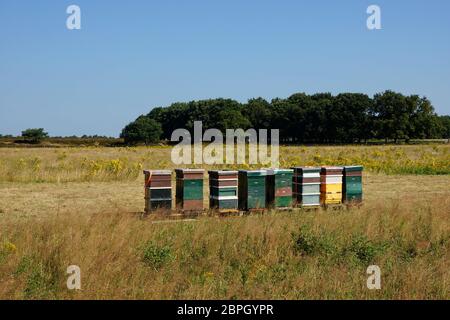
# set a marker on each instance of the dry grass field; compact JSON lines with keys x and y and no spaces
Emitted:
{"x":90,"y":164}
{"x":82,"y":206}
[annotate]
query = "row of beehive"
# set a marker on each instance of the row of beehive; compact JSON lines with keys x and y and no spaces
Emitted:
{"x":255,"y":189}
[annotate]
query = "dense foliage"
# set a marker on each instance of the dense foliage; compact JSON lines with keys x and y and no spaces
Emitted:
{"x":34,"y":135}
{"x":144,"y":129}
{"x":318,"y":118}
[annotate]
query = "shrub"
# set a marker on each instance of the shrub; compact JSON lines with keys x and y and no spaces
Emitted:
{"x":34,"y":135}
{"x":364,"y":249}
{"x":144,"y":130}
{"x":6,"y":248}
{"x":41,"y":283}
{"x":308,"y":243}
{"x":24,"y":265}
{"x":155,"y":255}
{"x":42,"y":277}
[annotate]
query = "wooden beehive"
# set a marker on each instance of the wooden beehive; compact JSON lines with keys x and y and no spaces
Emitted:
{"x":252,"y":190}
{"x":352,"y":184}
{"x":306,"y":186}
{"x":331,"y":185}
{"x":279,"y":188}
{"x":223,"y":190}
{"x":189,"y":189}
{"x":158,"y":190}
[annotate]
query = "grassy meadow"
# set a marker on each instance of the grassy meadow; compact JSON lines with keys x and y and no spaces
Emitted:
{"x":97,"y":164}
{"x":82,"y":206}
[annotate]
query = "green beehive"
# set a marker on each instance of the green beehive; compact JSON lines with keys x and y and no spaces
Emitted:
{"x":279,"y":188}
{"x":252,"y":190}
{"x":189,"y":189}
{"x":352,"y":184}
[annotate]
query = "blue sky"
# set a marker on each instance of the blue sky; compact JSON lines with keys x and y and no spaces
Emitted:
{"x":131,"y":56}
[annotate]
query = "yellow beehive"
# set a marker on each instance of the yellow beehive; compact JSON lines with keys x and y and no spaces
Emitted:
{"x":327,"y":197}
{"x":331,"y":188}
{"x":331,"y":185}
{"x":332,"y":201}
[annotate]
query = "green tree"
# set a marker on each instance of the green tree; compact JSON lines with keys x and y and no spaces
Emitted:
{"x":351,"y":116}
{"x":170,"y":118}
{"x":303,"y":118}
{"x":144,"y":130}
{"x":423,"y":120}
{"x":232,"y":119}
{"x":444,"y":127}
{"x":296,"y":112}
{"x":258,"y":112}
{"x":280,"y":118}
{"x":392,"y":116}
{"x":323,"y":127}
{"x":34,"y":135}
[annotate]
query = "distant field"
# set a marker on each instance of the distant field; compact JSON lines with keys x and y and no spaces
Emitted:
{"x":54,"y":142}
{"x":64,"y":206}
{"x":87,"y":164}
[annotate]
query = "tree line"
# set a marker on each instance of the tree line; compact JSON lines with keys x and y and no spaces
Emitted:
{"x":302,"y":118}
{"x":38,"y":135}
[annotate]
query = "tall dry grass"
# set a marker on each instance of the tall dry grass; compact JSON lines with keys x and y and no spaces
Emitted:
{"x":125,"y":164}
{"x":301,"y":255}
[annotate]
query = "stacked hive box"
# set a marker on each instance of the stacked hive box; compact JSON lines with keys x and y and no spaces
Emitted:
{"x":223,"y":188}
{"x":189,"y":193}
{"x":306,"y":187}
{"x":158,"y":189}
{"x":279,"y":188}
{"x":331,"y":185}
{"x":352,"y":187}
{"x":252,"y":190}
